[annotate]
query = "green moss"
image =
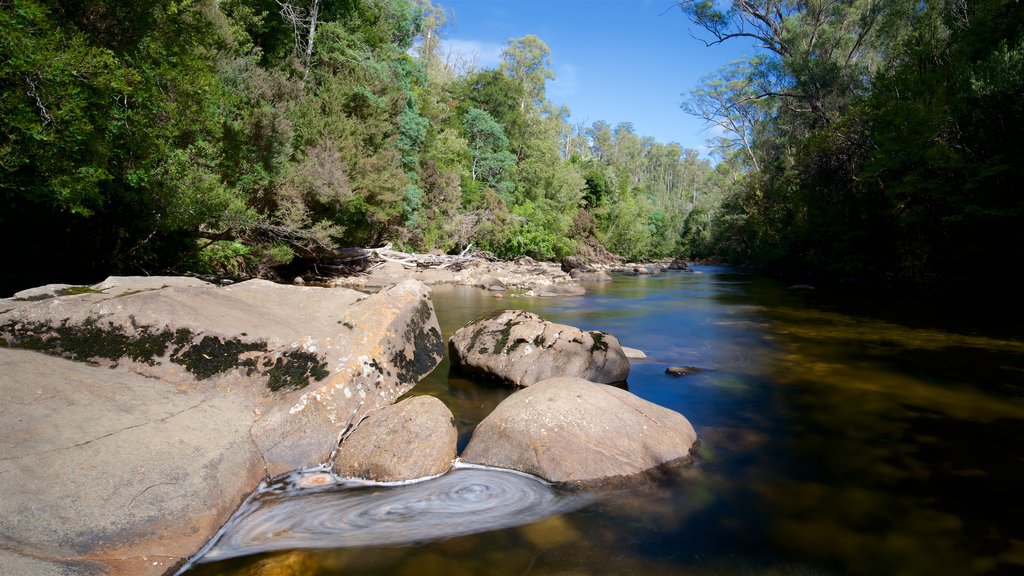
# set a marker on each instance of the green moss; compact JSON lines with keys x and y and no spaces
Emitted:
{"x":89,"y":341}
{"x":69,"y":291}
{"x":503,"y":335}
{"x":599,"y":343}
{"x":211,"y":355}
{"x":294,"y":369}
{"x":475,"y":338}
{"x":76,"y":290}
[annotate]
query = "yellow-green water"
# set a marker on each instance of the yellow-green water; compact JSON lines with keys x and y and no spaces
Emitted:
{"x":838,"y":436}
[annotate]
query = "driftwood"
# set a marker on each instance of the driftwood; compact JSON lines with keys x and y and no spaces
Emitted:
{"x":354,"y":260}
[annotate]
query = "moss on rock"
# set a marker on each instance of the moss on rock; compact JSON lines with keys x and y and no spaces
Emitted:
{"x":210,"y":356}
{"x":294,"y":369}
{"x":428,"y":346}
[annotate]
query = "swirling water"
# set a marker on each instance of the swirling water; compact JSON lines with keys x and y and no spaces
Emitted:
{"x":838,"y":436}
{"x":317,"y":510}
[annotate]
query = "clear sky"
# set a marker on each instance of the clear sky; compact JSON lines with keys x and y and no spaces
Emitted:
{"x":614,"y":60}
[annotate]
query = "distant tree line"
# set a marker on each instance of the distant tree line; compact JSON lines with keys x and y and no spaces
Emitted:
{"x":231,"y":136}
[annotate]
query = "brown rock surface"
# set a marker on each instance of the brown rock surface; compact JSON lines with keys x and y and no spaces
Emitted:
{"x":185,"y":396}
{"x":569,"y":430}
{"x":521,"y":348}
{"x":414,"y":438}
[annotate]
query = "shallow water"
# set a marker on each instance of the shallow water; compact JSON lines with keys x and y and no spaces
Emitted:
{"x":837,"y":437}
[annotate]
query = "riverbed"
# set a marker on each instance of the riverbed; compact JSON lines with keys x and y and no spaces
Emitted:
{"x":837,"y":436}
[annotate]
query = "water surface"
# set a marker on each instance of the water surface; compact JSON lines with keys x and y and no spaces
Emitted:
{"x":838,"y":436}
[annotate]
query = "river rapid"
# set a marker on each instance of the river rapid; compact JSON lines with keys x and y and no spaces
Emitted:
{"x":837,"y":436}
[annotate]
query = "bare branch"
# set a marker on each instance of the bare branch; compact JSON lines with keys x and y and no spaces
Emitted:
{"x":33,"y":91}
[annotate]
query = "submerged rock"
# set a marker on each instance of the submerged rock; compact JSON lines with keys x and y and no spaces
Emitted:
{"x":683,"y":370}
{"x":184,"y":396}
{"x":570,"y":430}
{"x":558,"y":290}
{"x":412,"y":439}
{"x":521,"y":348}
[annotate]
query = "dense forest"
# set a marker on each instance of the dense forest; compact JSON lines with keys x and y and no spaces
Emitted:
{"x":870,"y":140}
{"x":877,"y":140}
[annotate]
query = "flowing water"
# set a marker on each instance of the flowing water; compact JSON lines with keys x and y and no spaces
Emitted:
{"x":837,"y":437}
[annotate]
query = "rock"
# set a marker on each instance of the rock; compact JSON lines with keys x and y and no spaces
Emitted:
{"x":525,"y":261}
{"x":594,"y":276}
{"x":44,"y":292}
{"x":110,"y":465}
{"x":640,"y":269}
{"x":521,"y":348}
{"x":187,"y":394}
{"x":683,"y":370}
{"x":490,"y":282}
{"x":552,"y":290}
{"x":412,"y":439}
{"x":633,"y":353}
{"x":679,"y":264}
{"x":299,"y":281}
{"x":571,"y":263}
{"x":569,"y":430}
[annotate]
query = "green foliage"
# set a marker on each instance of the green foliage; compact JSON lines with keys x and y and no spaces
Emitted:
{"x":887,"y":148}
{"x":537,"y":231}
{"x":161,"y":136}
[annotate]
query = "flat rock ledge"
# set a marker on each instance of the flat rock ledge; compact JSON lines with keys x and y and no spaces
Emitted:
{"x":526,"y":274}
{"x":580,"y":434}
{"x":136,"y":414}
{"x":415,"y":438}
{"x":521,"y":348}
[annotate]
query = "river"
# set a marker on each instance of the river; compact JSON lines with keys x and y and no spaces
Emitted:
{"x":838,"y":436}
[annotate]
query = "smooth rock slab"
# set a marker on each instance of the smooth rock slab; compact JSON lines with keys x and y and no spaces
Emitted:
{"x":412,"y":439}
{"x":569,"y":430}
{"x":106,"y":466}
{"x":521,"y":348}
{"x":132,"y":457}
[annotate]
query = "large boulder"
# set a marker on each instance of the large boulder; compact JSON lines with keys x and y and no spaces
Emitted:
{"x":414,"y":438}
{"x":571,"y":431}
{"x":521,"y":348}
{"x":185,"y":395}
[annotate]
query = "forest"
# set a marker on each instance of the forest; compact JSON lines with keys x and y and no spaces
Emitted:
{"x":872,"y":141}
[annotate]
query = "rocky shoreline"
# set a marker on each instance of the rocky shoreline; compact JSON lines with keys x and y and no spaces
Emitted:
{"x":525,"y":275}
{"x":165,"y":401}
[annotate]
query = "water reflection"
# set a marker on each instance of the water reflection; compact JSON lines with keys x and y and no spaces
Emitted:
{"x":835,"y":439}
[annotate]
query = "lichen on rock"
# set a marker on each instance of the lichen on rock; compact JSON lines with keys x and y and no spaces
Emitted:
{"x":520,"y":348}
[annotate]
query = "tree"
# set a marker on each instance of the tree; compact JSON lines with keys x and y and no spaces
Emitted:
{"x":528,"y":61}
{"x":488,"y":145}
{"x":303,"y":21}
{"x":730,"y":101}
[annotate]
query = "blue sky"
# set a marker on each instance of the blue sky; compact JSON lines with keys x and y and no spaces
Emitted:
{"x":614,"y":60}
